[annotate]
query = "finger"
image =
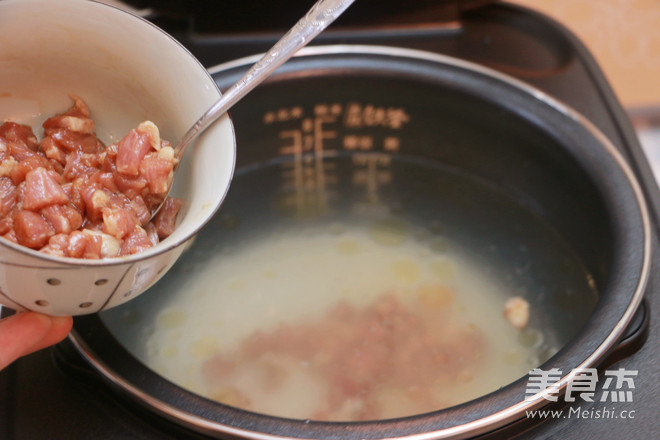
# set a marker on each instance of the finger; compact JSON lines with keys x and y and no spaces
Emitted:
{"x":19,"y":333}
{"x":24,"y":333}
{"x":59,"y":329}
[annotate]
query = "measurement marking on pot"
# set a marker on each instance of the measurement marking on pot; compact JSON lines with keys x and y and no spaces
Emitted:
{"x":365,"y":127}
{"x":307,"y":173}
{"x":312,"y":132}
{"x":372,"y":171}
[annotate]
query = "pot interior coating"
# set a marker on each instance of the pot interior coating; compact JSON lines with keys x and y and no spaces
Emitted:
{"x":430,"y":163}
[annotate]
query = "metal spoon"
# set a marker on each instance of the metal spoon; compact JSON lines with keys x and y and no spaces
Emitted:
{"x":316,"y":20}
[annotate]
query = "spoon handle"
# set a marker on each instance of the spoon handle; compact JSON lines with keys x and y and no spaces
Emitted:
{"x":316,"y":20}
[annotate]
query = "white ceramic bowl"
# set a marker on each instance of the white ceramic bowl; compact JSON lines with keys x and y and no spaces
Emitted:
{"x":127,"y":70}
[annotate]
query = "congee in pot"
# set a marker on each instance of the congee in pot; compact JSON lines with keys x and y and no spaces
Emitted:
{"x":359,"y":286}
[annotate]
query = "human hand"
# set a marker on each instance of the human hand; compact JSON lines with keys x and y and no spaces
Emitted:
{"x":27,"y":332}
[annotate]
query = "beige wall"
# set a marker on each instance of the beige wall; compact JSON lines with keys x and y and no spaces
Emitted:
{"x":624,"y":37}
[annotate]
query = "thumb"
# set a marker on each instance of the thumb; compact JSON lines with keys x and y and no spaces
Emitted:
{"x":24,"y":333}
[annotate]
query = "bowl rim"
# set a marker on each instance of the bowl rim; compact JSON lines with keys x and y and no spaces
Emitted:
{"x":164,"y":246}
{"x":492,"y":420}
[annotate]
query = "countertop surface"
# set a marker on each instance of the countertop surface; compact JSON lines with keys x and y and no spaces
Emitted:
{"x":623,"y":36}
